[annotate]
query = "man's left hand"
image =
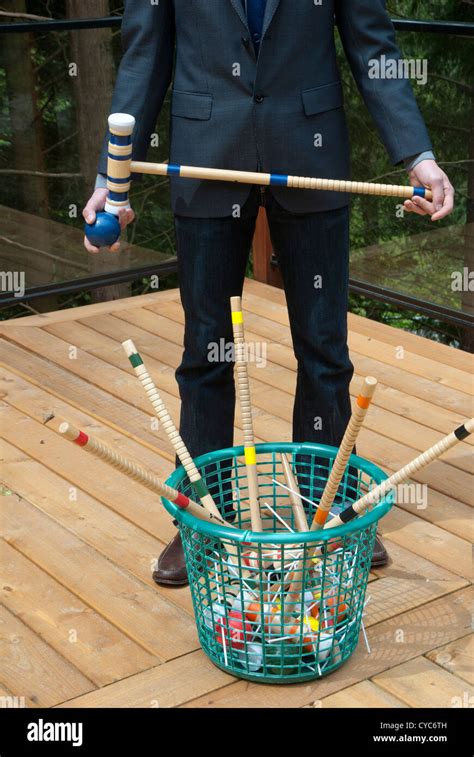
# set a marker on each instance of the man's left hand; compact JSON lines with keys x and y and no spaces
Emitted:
{"x":429,"y":175}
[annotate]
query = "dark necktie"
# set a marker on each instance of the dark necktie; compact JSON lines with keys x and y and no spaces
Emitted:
{"x":255,"y":16}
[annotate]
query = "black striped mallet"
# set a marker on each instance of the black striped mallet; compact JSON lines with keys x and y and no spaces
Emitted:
{"x":427,"y":457}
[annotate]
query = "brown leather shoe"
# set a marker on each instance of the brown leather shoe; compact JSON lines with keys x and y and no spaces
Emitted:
{"x":171,"y":569}
{"x":380,"y":556}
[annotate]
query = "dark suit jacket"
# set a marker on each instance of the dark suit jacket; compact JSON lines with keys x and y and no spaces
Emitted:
{"x":230,"y":110}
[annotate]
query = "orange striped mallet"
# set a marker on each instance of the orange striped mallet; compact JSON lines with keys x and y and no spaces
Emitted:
{"x":166,"y":421}
{"x":243,"y":386}
{"x":345,"y":451}
{"x":134,"y":471}
{"x":427,"y":457}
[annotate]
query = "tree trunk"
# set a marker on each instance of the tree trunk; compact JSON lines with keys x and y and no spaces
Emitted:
{"x":25,"y":119}
{"x":91,"y":51}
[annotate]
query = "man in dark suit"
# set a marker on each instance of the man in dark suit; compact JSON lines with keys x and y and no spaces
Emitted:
{"x":256,"y":87}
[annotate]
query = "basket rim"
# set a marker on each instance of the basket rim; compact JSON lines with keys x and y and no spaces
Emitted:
{"x":247,"y":535}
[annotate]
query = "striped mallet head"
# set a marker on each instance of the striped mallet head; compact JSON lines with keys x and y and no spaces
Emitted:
{"x":166,"y":421}
{"x":134,"y":471}
{"x":421,"y":461}
{"x":344,"y":452}
{"x":243,"y":387}
{"x":119,"y":173}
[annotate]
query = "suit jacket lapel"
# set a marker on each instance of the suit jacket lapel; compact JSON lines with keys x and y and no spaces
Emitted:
{"x":272,"y":5}
{"x":239,"y":8}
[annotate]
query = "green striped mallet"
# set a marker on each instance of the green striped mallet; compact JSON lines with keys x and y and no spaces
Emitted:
{"x":427,"y":457}
{"x":243,"y":386}
{"x":134,"y":471}
{"x":166,"y":421}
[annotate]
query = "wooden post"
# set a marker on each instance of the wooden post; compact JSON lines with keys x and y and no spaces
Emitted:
{"x":262,"y":254}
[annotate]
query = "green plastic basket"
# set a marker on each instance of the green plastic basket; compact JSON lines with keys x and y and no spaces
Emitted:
{"x":248,"y":623}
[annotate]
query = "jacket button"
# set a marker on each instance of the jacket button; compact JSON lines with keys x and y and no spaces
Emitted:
{"x":259,"y":98}
{"x":245,"y":41}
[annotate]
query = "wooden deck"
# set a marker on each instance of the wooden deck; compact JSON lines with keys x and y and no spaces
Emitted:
{"x":83,"y":624}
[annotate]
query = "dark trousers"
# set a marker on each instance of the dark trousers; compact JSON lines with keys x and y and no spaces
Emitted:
{"x":312,"y":251}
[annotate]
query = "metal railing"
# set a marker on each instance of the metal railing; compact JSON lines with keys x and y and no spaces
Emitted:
{"x":459,"y":29}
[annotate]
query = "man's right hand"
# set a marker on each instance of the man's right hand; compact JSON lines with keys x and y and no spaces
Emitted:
{"x":95,"y":205}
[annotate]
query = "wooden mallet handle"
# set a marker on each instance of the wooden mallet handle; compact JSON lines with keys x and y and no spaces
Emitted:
{"x":345,"y":451}
{"x":376,"y":494}
{"x":166,"y":421}
{"x":243,"y":386}
{"x":134,"y":471}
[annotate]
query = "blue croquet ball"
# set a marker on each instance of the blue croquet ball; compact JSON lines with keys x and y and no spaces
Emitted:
{"x":104,"y":232}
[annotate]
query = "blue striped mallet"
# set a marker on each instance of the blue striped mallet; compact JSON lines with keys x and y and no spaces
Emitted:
{"x":121,"y":166}
{"x":106,"y":229}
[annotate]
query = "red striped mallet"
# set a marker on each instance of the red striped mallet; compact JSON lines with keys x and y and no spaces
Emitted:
{"x":135,"y":471}
{"x":166,"y":421}
{"x":345,"y":451}
{"x":427,"y":457}
{"x":243,"y":386}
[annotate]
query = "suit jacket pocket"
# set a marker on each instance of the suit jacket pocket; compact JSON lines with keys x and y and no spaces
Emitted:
{"x":191,"y":105}
{"x":321,"y":99}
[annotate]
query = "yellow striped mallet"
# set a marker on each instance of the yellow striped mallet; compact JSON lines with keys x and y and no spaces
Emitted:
{"x":427,"y":457}
{"x":166,"y":421}
{"x":243,"y":386}
{"x":345,"y":451}
{"x":120,"y":166}
{"x":134,"y":471}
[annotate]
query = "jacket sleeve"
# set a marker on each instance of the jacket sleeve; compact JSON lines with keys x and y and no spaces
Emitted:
{"x":145,"y":72}
{"x":367,"y":33}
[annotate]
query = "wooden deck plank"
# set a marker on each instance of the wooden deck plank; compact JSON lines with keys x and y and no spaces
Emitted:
{"x":452,"y":356}
{"x":421,"y":683}
{"x":456,"y":657}
{"x":78,"y":393}
{"x":87,"y":473}
{"x":266,"y":425}
{"x":389,"y":373}
{"x":95,"y":552}
{"x":98,"y":526}
{"x":72,"y":314}
{"x":391,"y":596}
{"x":362,"y":695}
{"x":169,"y":685}
{"x":132,"y":606}
{"x":140,"y":324}
{"x":79,"y":634}
{"x":281,"y":365}
{"x":429,"y":541}
{"x":447,"y":618}
{"x":449,"y":355}
{"x":33,"y":670}
{"x":405,"y":564}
